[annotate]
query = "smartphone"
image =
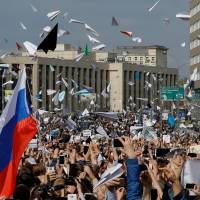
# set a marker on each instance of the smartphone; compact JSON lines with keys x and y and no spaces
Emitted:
{"x":88,"y":140}
{"x":161,"y":152}
{"x":117,"y":143}
{"x":85,"y":149}
{"x":50,"y":169}
{"x":90,"y":196}
{"x":190,"y":186}
{"x":61,"y":160}
{"x":71,"y":197}
{"x":192,"y":155}
{"x":61,"y":141}
{"x":143,"y":167}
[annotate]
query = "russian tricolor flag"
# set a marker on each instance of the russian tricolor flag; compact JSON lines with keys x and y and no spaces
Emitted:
{"x":17,"y":128}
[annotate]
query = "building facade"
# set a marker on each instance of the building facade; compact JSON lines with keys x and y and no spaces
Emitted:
{"x":128,"y":82}
{"x":155,"y":56}
{"x":195,"y":37}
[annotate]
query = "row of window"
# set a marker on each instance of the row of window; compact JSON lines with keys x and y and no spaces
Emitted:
{"x":131,"y":58}
{"x":194,"y":44}
{"x":194,"y":27}
{"x":195,"y":60}
{"x":195,"y":10}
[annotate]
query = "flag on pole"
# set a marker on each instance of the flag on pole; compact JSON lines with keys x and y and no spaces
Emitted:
{"x":17,"y":128}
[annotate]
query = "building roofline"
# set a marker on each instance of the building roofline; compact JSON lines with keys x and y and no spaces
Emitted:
{"x":143,"y":47}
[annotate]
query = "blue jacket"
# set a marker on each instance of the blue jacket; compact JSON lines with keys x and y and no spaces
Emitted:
{"x":134,"y":189}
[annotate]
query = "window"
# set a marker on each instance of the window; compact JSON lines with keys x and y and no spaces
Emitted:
{"x":135,"y":58}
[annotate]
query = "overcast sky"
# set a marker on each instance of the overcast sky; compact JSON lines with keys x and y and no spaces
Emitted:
{"x":132,"y":15}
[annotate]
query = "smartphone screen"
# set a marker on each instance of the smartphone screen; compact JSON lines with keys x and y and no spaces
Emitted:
{"x":85,"y":150}
{"x":88,"y":140}
{"x":61,"y":160}
{"x":117,"y":143}
{"x":50,"y":169}
{"x":190,"y":186}
{"x":143,"y":167}
{"x":161,"y":152}
{"x":71,"y":197}
{"x":192,"y":155}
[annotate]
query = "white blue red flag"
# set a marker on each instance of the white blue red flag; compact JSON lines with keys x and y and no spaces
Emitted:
{"x":17,"y":128}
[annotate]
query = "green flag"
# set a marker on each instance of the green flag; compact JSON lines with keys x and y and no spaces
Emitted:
{"x":86,"y":51}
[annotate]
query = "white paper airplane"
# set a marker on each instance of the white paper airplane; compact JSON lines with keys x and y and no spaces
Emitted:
{"x":34,"y":8}
{"x":23,"y":26}
{"x":62,"y":32}
{"x":30,"y":47}
{"x":131,"y":83}
{"x":99,"y":47}
{"x":93,"y":40}
{"x":65,"y":83}
{"x":79,"y":56}
{"x":55,"y":99}
{"x":137,"y":39}
{"x":183,"y":16}
{"x":142,"y":99}
{"x":47,"y":29}
{"x":50,"y":92}
{"x":76,"y":21}
{"x":53,"y":15}
{"x":7,"y":83}
{"x":88,"y":28}
{"x":150,"y":9}
{"x":183,"y":44}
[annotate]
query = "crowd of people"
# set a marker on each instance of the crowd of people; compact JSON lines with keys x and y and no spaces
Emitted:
{"x":100,"y":157}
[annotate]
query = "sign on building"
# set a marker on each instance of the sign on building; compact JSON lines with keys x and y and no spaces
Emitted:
{"x":171,"y":93}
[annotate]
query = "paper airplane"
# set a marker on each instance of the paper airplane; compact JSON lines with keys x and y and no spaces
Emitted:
{"x":99,"y":47}
{"x":183,"y":16}
{"x":142,"y":99}
{"x":61,"y":96}
{"x":62,"y":32}
{"x":23,"y":26}
{"x":30,"y":47}
{"x":150,"y":9}
{"x":127,"y":33}
{"x":50,"y":92}
{"x":166,"y":20}
{"x":131,"y":83}
{"x":65,"y":83}
{"x":93,"y":40}
{"x":137,"y":39}
{"x":65,"y":15}
{"x":34,"y":8}
{"x":7,"y":83}
{"x":85,"y":113}
{"x":47,"y":29}
{"x":53,"y":15}
{"x":79,"y":56}
{"x":183,"y":44}
{"x":72,"y":91}
{"x":76,"y":21}
{"x":114,"y":22}
{"x":55,"y":99}
{"x":88,"y":28}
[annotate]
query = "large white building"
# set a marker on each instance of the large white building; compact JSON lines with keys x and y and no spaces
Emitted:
{"x":128,"y":81}
{"x":155,"y":56}
{"x":195,"y":37}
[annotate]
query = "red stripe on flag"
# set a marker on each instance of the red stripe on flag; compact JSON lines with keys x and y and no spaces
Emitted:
{"x":23,"y":133}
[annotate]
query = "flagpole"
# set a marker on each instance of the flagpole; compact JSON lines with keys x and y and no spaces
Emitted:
{"x":2,"y":95}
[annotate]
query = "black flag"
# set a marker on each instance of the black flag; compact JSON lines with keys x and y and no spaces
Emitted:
{"x":114,"y":22}
{"x":49,"y":43}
